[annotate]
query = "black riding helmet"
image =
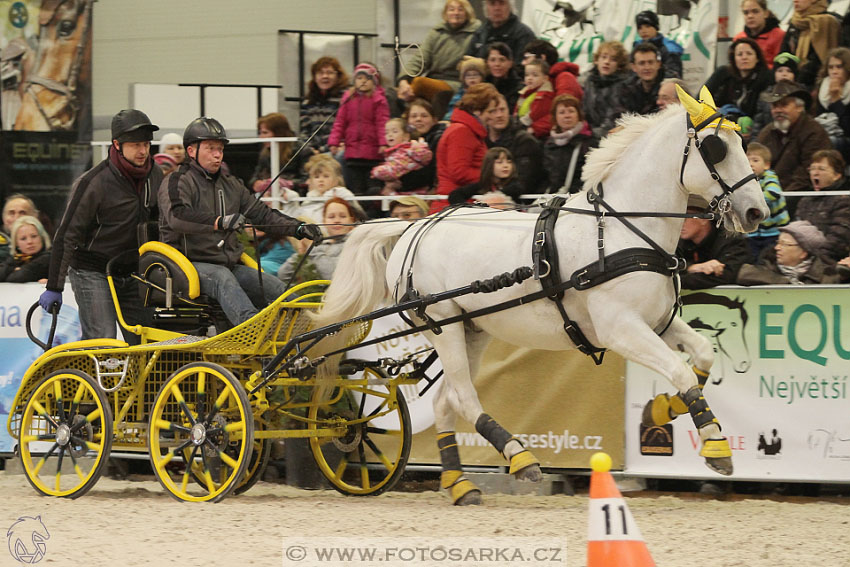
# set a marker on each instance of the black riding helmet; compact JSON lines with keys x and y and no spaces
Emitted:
{"x":131,"y":125}
{"x":203,"y":128}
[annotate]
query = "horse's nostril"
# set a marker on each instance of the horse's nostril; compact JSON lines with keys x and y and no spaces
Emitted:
{"x":754,"y":215}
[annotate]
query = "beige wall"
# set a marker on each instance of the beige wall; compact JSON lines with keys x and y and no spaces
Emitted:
{"x":211,"y":41}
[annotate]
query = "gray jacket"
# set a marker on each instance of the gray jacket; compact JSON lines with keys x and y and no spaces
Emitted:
{"x":190,"y":201}
{"x":440,"y":53}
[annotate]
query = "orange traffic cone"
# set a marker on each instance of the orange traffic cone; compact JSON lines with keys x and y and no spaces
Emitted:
{"x":613,"y":538}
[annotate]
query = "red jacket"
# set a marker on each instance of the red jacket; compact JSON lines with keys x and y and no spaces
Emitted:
{"x":538,"y":116}
{"x":770,"y":40}
{"x":360,"y":123}
{"x":563,"y":76}
{"x":459,"y":155}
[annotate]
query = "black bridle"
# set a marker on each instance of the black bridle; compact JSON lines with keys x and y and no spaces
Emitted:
{"x":713,"y":150}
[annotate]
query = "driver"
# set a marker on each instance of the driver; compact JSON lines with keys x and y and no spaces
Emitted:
{"x":108,"y":211}
{"x":203,"y":209}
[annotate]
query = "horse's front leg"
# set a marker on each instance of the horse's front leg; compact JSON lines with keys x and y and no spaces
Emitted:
{"x":633,"y":339}
{"x":681,"y":337}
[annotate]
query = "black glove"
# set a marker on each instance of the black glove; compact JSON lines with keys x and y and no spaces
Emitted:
{"x":234,"y":221}
{"x":310,"y":231}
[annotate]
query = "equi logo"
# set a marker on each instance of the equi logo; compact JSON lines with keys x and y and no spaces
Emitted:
{"x":807,"y":331}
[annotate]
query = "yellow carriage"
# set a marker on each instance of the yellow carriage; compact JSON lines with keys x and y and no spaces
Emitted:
{"x":207,"y":409}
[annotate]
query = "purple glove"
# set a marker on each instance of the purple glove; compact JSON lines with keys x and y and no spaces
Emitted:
{"x":50,"y":298}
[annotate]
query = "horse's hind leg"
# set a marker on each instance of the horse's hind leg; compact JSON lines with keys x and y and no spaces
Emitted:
{"x":637,"y":342}
{"x":680,"y":336}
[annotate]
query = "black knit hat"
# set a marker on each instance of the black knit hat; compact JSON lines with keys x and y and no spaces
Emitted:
{"x":647,"y":17}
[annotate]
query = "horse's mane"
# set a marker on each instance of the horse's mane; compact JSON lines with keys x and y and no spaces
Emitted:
{"x":601,"y":160}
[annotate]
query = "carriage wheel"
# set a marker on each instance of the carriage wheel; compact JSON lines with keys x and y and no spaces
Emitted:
{"x":260,"y":457}
{"x":201,"y":425}
{"x":370,"y":457}
{"x":66,"y":434}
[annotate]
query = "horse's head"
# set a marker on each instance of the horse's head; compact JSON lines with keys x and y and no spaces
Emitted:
{"x":723,"y":175}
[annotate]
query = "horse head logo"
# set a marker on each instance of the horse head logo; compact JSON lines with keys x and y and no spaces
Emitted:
{"x":723,"y":321}
{"x":27,"y":539}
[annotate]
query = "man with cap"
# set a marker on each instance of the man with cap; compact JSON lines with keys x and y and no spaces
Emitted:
{"x":501,"y":25}
{"x":793,"y":136}
{"x":108,"y":212}
{"x":408,"y":207}
{"x":797,"y":258}
{"x":712,"y":257}
{"x":203,"y":209}
{"x":671,"y":52}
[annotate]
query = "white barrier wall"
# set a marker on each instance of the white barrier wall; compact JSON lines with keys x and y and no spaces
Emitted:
{"x":779,"y":387}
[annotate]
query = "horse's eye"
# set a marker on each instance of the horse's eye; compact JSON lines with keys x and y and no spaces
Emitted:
{"x":66,"y":28}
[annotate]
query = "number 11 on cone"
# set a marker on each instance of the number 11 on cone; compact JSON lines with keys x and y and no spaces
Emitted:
{"x":611,"y":520}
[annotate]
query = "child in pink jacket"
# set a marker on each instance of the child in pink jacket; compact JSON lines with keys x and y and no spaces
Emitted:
{"x":402,"y":156}
{"x":359,"y":127}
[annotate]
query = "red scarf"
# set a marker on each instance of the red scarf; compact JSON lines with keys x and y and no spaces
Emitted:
{"x":135,"y":174}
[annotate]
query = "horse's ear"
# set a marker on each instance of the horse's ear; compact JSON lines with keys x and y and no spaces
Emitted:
{"x":705,"y":96}
{"x":692,"y":106}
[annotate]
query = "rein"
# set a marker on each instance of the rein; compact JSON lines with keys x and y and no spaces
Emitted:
{"x":67,"y":89}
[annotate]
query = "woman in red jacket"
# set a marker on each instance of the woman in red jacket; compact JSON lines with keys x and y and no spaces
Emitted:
{"x":462,"y":147}
{"x":761,"y":25}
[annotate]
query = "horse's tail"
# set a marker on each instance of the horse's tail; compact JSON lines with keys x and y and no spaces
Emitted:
{"x":359,"y":284}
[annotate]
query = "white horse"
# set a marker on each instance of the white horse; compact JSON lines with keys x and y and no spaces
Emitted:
{"x":643,"y":168}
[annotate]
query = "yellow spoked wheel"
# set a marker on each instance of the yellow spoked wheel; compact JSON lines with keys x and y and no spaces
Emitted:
{"x":66,"y":434}
{"x":371,"y":455}
{"x":260,"y":457}
{"x":201,"y":426}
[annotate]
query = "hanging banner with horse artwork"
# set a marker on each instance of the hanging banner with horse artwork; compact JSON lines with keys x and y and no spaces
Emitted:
{"x":45,"y":47}
{"x":577,"y":28}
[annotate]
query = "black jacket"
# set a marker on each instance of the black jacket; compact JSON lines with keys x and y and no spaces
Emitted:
{"x":190,"y":200}
{"x":528,"y":155}
{"x":635,"y":99}
{"x":513,"y":32}
{"x":508,"y":86}
{"x":466,"y":192}
{"x":728,"y":248}
{"x":34,"y":269}
{"x":602,"y":101}
{"x":728,"y":88}
{"x":104,"y":217}
{"x":556,"y":161}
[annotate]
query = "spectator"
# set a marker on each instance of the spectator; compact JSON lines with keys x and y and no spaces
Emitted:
{"x":408,"y":207}
{"x":669,"y":51}
{"x":667,"y":94}
{"x":501,"y":26}
{"x":535,"y":99}
{"x":401,"y":156}
{"x":830,"y":213}
{"x":273,"y":125}
{"x":498,"y":174}
{"x":339,"y":218}
{"x":30,"y":261}
{"x":712,"y":257}
{"x":472,"y":71}
{"x":505,"y":132}
{"x":16,"y":206}
{"x":601,"y":103}
{"x":359,"y":125}
{"x":565,"y":150}
{"x":324,"y":93}
{"x":462,"y":146}
{"x":172,"y":145}
{"x":166,"y":163}
{"x":767,"y":232}
{"x":793,"y":136}
{"x":833,"y":99}
{"x":811,"y":34}
{"x":795,"y":259}
{"x":563,"y":75}
{"x":108,"y":212}
{"x":420,"y":116}
{"x":761,"y":26}
{"x":737,"y":85}
{"x":324,"y":182}
{"x":439,"y":54}
{"x":784,"y":69}
{"x":501,"y":72}
{"x":640,"y":91}
{"x":202,"y":210}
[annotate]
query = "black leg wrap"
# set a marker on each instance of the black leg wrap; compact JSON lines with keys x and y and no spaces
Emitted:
{"x":492,"y":432}
{"x":698,"y":408}
{"x":449,"y":455}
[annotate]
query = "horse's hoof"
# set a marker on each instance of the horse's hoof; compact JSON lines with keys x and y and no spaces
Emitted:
{"x":660,"y":411}
{"x":530,"y":473}
{"x":720,"y":465}
{"x":471,"y":498}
